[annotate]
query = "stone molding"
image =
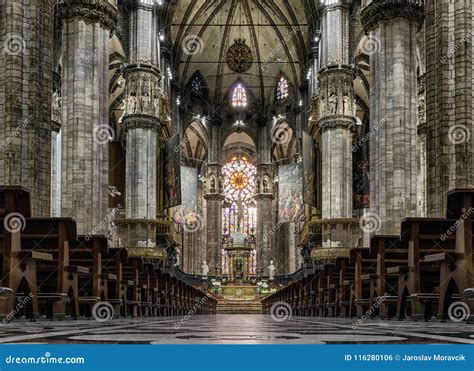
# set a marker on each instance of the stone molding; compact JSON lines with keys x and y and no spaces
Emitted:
{"x":385,"y":10}
{"x":92,"y":11}
{"x":214,"y":197}
{"x":336,"y":122}
{"x":138,"y":121}
{"x":263,"y":196}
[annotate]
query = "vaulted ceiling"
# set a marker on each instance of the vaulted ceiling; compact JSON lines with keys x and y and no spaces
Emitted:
{"x":277,"y":32}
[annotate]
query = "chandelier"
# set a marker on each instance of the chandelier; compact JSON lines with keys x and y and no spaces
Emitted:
{"x":239,"y":57}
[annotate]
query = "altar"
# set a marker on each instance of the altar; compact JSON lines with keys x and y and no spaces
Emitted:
{"x":239,"y":292}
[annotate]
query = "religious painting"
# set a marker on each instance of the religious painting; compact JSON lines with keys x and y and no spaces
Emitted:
{"x":309,"y":173}
{"x":290,"y":195}
{"x":189,"y":194}
{"x":361,"y":179}
{"x":172,"y":173}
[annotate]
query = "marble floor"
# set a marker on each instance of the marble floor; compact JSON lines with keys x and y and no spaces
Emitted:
{"x":235,"y":329}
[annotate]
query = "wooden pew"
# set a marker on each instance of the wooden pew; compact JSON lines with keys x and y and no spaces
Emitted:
{"x":391,"y":253}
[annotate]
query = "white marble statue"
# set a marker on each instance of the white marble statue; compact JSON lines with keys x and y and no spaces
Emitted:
{"x":205,"y":269}
{"x":271,"y":270}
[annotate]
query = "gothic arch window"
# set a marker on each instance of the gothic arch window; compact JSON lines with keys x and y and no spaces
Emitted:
{"x":282,"y":89}
{"x":239,"y":211}
{"x":196,"y":85}
{"x":239,"y":96}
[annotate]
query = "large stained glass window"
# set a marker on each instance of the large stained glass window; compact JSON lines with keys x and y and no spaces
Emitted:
{"x":239,"y":211}
{"x":239,"y":96}
{"x":282,"y":89}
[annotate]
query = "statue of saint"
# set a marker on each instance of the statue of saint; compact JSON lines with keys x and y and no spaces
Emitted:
{"x":271,"y":270}
{"x":333,"y":104}
{"x":205,"y":269}
{"x":346,"y":101}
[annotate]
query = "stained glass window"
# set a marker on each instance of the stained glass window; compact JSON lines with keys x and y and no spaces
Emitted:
{"x":282,"y":89}
{"x":197,"y":85}
{"x":239,"y":208}
{"x":239,"y":96}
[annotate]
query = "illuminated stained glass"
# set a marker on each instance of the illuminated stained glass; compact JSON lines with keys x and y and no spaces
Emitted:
{"x":239,"y":96}
{"x":239,"y":208}
{"x":282,"y":89}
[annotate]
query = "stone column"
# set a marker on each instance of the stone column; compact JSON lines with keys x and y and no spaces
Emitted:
{"x":86,"y":133}
{"x":449,"y":100}
{"x":336,"y":124}
{"x":26,"y":75}
{"x":393,"y":110}
{"x":142,"y":123}
{"x":56,"y":147}
{"x":264,"y":198}
{"x":214,"y":197}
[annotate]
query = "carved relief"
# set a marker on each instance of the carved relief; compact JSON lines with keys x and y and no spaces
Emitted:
{"x":143,"y":95}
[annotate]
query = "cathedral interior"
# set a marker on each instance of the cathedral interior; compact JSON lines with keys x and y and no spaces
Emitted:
{"x":236,"y":170}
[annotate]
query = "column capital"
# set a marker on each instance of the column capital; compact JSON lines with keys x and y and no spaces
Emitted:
{"x":100,"y":11}
{"x":141,"y":122}
{"x":384,"y":10}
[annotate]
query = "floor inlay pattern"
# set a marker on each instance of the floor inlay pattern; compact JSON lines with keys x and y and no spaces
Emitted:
{"x":235,"y":329}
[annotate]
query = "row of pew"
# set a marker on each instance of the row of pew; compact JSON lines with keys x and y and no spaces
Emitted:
{"x":49,"y":271}
{"x":419,"y":274}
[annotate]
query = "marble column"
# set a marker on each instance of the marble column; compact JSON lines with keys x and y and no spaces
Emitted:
{"x":142,"y":123}
{"x":336,"y":124}
{"x":26,"y":76}
{"x":393,"y":111}
{"x":449,"y":41}
{"x":264,"y":198}
{"x":214,"y":197}
{"x":86,"y":133}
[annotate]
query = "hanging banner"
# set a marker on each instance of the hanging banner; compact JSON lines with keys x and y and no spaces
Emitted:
{"x":309,"y":173}
{"x":290,"y":195}
{"x":172,"y":173}
{"x":189,"y":194}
